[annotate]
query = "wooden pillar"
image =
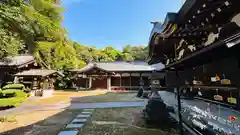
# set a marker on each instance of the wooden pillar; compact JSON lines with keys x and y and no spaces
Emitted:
{"x":109,"y":83}
{"x":86,"y":83}
{"x":90,"y":82}
{"x":120,"y":80}
{"x":83,"y":77}
{"x":130,"y":81}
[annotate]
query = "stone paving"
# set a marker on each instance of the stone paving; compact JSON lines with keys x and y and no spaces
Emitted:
{"x":77,"y":124}
{"x":106,"y":105}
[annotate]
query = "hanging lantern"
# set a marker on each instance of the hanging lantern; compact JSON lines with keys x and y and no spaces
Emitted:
{"x":218,"y":97}
{"x":191,"y":89}
{"x":232,"y":100}
{"x":199,"y":92}
{"x":184,"y":91}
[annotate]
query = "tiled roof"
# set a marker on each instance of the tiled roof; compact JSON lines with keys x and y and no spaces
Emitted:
{"x":17,"y":60}
{"x":38,"y":72}
{"x":116,"y":67}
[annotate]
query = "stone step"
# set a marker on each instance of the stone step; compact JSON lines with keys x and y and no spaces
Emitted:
{"x":70,"y":132}
{"x":83,"y":116}
{"x":88,"y":110}
{"x":76,"y":126}
{"x":79,"y":120}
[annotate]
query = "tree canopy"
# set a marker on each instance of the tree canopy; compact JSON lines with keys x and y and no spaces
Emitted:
{"x":34,"y":26}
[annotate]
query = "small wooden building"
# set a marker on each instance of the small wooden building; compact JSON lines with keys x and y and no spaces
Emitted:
{"x":113,"y":75}
{"x":12,"y":65}
{"x":39,"y":79}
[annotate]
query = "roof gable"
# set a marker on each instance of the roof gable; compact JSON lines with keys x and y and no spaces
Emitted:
{"x":119,"y":66}
{"x":38,"y":72}
{"x":17,"y":60}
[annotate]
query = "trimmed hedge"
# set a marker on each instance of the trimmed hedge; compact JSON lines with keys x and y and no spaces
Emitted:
{"x":17,"y":93}
{"x":14,"y":86}
{"x":12,"y":98}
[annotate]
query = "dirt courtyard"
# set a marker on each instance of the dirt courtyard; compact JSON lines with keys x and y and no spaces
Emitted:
{"x":111,"y":121}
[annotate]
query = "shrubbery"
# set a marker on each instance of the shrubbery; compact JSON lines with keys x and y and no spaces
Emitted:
{"x":12,"y":97}
{"x":14,"y":86}
{"x":16,"y":93}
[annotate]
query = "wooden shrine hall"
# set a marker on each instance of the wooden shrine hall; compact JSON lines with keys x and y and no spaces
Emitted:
{"x":199,"y":46}
{"x":113,"y":75}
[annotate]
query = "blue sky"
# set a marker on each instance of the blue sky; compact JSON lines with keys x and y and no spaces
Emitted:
{"x":114,"y":22}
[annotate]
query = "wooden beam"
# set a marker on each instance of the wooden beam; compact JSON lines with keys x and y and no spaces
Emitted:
{"x":130,"y":81}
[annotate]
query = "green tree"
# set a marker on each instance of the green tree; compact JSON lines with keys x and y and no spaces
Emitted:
{"x":111,"y":53}
{"x":137,"y":52}
{"x":126,"y":57}
{"x":83,"y":52}
{"x":36,"y":26}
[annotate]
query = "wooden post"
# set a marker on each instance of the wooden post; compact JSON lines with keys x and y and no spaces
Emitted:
{"x":109,"y":83}
{"x":120,"y":81}
{"x":90,"y":82}
{"x":130,"y":81}
{"x":86,"y":80}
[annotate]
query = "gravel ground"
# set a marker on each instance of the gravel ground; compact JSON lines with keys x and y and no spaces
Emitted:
{"x":120,"y":121}
{"x":108,"y":97}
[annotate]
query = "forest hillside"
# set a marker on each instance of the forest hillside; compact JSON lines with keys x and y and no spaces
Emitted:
{"x":34,"y":27}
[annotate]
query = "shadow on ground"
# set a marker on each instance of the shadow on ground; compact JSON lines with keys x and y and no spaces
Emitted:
{"x":59,"y":118}
{"x":54,"y":122}
{"x":49,"y":126}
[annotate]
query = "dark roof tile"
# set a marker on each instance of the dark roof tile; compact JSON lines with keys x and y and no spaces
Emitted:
{"x":117,"y":67}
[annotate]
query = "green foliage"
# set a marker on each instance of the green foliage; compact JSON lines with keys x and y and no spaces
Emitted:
{"x":12,"y":102}
{"x":129,"y":53}
{"x":18,"y":93}
{"x":57,"y":55}
{"x":19,"y":97}
{"x":137,"y":52}
{"x":36,"y":26}
{"x":10,"y":43}
{"x":126,"y":57}
{"x":14,"y":86}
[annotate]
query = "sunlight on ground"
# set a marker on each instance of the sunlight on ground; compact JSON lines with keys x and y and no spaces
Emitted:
{"x":63,"y":97}
{"x":27,"y":118}
{"x":39,"y":122}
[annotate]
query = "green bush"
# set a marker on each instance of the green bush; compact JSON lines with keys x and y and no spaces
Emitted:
{"x":20,"y":96}
{"x":14,"y":86}
{"x":18,"y":93}
{"x":9,"y":95}
{"x":1,"y":94}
